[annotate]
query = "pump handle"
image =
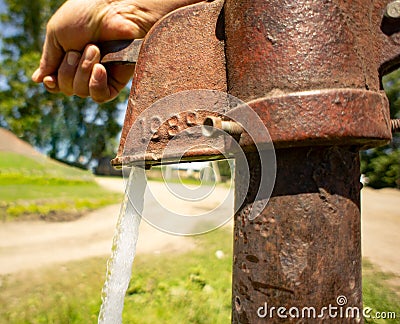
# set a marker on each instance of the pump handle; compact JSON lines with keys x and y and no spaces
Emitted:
{"x":120,"y":52}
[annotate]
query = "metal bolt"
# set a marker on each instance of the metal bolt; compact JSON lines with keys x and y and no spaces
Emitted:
{"x":211,"y":124}
{"x":393,"y":10}
{"x":395,"y":123}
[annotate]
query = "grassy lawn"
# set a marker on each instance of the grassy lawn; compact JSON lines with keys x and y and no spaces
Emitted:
{"x":42,"y":188}
{"x":181,"y":288}
{"x":194,"y":287}
{"x":381,"y":292}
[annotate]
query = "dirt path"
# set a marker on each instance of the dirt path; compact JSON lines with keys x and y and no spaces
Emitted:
{"x":34,"y":244}
{"x":28,"y":245}
{"x":380,"y":210}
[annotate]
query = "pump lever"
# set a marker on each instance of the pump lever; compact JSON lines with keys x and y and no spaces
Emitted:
{"x":120,"y":52}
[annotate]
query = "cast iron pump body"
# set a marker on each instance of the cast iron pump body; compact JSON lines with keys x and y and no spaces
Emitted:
{"x":312,"y":71}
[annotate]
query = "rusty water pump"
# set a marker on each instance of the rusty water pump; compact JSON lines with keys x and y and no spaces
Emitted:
{"x":312,"y":71}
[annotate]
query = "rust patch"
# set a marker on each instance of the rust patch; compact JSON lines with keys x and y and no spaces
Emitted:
{"x":175,"y":57}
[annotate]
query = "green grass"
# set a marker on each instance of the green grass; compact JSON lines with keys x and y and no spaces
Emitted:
{"x":190,"y":288}
{"x":60,"y":294}
{"x":380,"y":292}
{"x":42,"y":188}
{"x":17,"y":164}
{"x":194,"y":287}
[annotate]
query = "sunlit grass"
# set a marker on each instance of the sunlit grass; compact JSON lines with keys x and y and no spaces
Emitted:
{"x":40,"y":188}
{"x":193,"y":287}
{"x":380,"y":293}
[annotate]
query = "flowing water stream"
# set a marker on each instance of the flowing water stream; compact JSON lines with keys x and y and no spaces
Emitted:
{"x":119,"y":266}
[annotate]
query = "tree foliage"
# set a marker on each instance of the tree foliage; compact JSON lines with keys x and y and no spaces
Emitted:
{"x":382,"y":165}
{"x":66,"y":128}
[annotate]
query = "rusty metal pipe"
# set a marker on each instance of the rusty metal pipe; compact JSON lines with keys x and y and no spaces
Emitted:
{"x":211,"y":124}
{"x":304,"y":250}
{"x":311,"y":71}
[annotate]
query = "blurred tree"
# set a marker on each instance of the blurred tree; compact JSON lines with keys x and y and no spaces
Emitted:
{"x":66,"y":128}
{"x":382,"y":165}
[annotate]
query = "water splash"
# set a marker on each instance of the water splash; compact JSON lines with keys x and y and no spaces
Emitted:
{"x":119,"y":266}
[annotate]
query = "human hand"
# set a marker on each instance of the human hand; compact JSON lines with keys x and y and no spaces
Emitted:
{"x":70,"y":61}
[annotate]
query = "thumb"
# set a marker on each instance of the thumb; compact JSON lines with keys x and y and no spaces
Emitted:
{"x":51,"y":59}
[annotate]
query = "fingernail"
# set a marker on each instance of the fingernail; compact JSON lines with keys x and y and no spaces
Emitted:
{"x":35,"y":75}
{"x":90,"y":53}
{"x":49,"y":83}
{"x":72,"y":58}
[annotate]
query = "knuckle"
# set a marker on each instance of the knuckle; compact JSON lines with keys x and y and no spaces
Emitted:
{"x":81,"y":93}
{"x":65,"y":72}
{"x":80,"y":88}
{"x":65,"y":86}
{"x":99,"y":99}
{"x":86,"y":66}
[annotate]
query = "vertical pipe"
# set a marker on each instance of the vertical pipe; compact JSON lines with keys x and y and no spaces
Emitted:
{"x":298,"y":45}
{"x":304,"y":249}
